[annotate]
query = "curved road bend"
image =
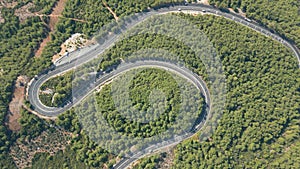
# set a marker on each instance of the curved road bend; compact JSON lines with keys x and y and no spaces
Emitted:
{"x":85,"y":90}
{"x":181,"y":71}
{"x":88,"y":55}
{"x":85,"y":55}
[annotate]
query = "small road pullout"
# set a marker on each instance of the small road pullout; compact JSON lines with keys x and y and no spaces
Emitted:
{"x":87,"y":54}
{"x":91,"y":52}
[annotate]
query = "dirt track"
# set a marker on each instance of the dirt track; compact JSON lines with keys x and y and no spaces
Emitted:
{"x":57,"y":10}
{"x":16,"y":104}
{"x":111,"y":11}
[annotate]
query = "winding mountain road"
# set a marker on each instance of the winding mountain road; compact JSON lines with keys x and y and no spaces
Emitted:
{"x":87,"y":54}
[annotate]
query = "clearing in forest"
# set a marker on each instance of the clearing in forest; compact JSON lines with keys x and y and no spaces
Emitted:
{"x":204,"y":2}
{"x":57,"y":10}
{"x":16,"y":104}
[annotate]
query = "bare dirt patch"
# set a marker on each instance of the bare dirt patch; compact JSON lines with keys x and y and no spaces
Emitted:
{"x":16,"y":104}
{"x":38,"y":53}
{"x":6,"y":4}
{"x":54,"y":17}
{"x":1,"y":72}
{"x":23,"y":13}
{"x":61,"y":53}
{"x":240,"y":12}
{"x":76,"y":41}
{"x":57,"y":10}
{"x":168,"y":160}
{"x":204,"y":2}
{"x":2,"y":20}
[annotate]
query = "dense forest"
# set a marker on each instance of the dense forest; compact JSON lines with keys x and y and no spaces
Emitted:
{"x":151,"y":162}
{"x":151,"y":111}
{"x":141,"y":88}
{"x":66,"y":159}
{"x":60,"y":89}
{"x":18,"y":42}
{"x":283,"y":16}
{"x":251,"y":83}
{"x":260,"y":126}
{"x":86,"y":152}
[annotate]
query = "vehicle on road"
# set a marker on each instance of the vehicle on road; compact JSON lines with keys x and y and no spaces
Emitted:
{"x":248,"y":20}
{"x":49,"y":111}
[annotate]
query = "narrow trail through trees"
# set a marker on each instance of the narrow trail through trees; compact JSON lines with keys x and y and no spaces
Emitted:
{"x":54,"y":18}
{"x":111,"y":11}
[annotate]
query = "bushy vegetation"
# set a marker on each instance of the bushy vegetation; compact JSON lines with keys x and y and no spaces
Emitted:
{"x":61,"y":90}
{"x":143,"y":84}
{"x":93,"y":15}
{"x":86,"y":150}
{"x":289,"y":159}
{"x":125,"y":8}
{"x":151,"y":162}
{"x":151,"y":108}
{"x":97,"y":15}
{"x":31,"y":126}
{"x":261,"y":112}
{"x":63,"y":159}
{"x":42,"y":6}
{"x":18,"y":42}
{"x":262,"y":115}
{"x":260,"y":124}
{"x":281,"y":15}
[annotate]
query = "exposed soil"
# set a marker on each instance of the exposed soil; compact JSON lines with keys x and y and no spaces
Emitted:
{"x":57,"y":10}
{"x":6,"y":4}
{"x":204,"y":2}
{"x":2,"y":20}
{"x":111,"y":11}
{"x":38,"y":53}
{"x":168,"y":160}
{"x":76,"y":41}
{"x":16,"y":104}
{"x":241,"y":13}
{"x":58,"y":55}
{"x":23,"y":13}
{"x":1,"y":72}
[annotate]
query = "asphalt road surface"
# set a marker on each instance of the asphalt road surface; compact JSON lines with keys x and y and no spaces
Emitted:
{"x":87,"y":54}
